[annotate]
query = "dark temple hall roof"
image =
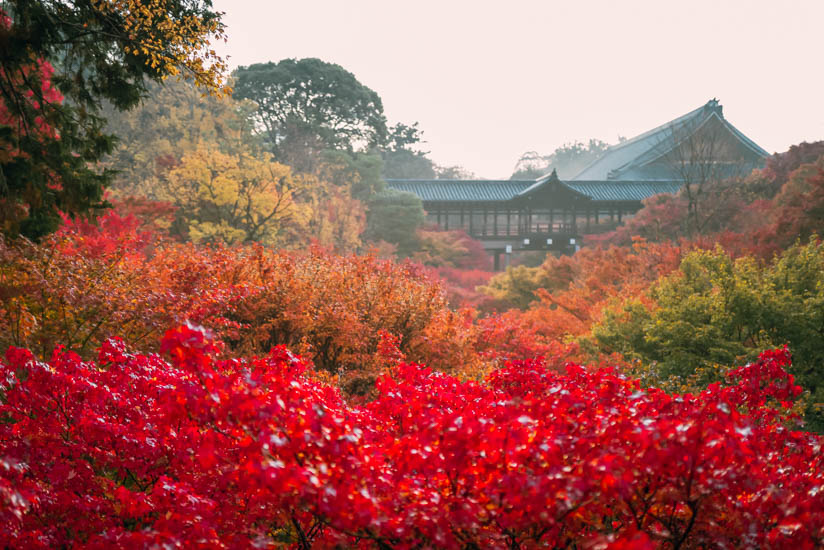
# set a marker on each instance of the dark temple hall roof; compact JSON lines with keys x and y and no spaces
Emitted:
{"x":506,"y":190}
{"x":623,"y":191}
{"x":630,"y":171}
{"x":462,"y":190}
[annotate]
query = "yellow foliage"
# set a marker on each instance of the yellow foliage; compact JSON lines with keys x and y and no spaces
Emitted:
{"x":234,"y":197}
{"x":170,"y":42}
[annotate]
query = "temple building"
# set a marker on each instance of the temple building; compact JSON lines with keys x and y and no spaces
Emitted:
{"x":549,"y":214}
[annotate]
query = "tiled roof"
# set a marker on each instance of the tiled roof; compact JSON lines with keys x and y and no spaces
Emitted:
{"x":462,"y":190}
{"x":628,"y":160}
{"x":622,"y":190}
{"x":504,"y":190}
{"x":629,"y":171}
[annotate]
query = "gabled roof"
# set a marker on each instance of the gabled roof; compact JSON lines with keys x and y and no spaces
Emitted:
{"x":633,"y":158}
{"x":548,"y":179}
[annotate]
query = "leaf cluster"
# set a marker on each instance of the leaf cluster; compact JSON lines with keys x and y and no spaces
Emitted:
{"x":84,"y":53}
{"x":135,"y":450}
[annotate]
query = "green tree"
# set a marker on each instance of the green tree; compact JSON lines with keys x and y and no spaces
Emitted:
{"x":567,"y":160}
{"x":394,"y":217}
{"x":718,"y":311}
{"x":712,"y":310}
{"x":796,"y":280}
{"x":407,"y":164}
{"x":401,"y":159}
{"x":358,"y":173}
{"x":517,"y":285}
{"x":59,"y":60}
{"x":306,"y":106}
{"x":453,"y":173}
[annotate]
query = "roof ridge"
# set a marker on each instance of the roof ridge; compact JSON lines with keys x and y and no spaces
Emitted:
{"x":662,"y":127}
{"x":710,"y":106}
{"x":670,"y":144}
{"x":427,"y":180}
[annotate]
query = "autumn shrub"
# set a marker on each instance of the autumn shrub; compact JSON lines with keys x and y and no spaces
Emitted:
{"x":455,"y":249}
{"x":462,"y":288}
{"x":332,"y":309}
{"x":88,"y":281}
{"x":563,"y":298}
{"x":133,"y":451}
{"x":589,"y":276}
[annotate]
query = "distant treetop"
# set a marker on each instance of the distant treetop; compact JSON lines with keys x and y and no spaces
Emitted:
{"x":309,"y":103}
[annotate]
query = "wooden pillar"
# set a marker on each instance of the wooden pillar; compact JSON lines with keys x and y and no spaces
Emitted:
{"x":483,"y":231}
{"x":574,"y":220}
{"x":508,"y":222}
{"x":495,"y":220}
{"x":497,"y":256}
{"x":462,"y":216}
{"x":471,"y":225}
{"x":587,"y":220}
{"x":620,"y":214}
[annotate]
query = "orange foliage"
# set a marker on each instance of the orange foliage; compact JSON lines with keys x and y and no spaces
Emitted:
{"x":334,"y":310}
{"x":85,"y":283}
{"x":88,"y":282}
{"x":575,"y":290}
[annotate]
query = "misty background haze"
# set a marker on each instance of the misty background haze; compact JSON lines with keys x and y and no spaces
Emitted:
{"x":490,"y":81}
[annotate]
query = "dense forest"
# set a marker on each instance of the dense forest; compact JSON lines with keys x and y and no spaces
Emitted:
{"x":222,"y":329}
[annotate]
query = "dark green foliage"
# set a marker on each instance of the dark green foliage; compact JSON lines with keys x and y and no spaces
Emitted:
{"x":394,"y":216}
{"x":360,"y":171}
{"x":310,"y":104}
{"x":406,"y":164}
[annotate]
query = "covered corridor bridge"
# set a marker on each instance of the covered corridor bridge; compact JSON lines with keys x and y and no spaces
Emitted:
{"x":550,"y":214}
{"x":544,"y":214}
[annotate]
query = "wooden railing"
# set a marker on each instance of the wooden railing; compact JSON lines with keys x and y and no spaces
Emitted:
{"x":489,"y":230}
{"x":552,"y":228}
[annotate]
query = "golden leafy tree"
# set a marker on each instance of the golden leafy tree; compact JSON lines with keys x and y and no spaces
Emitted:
{"x":173,"y":120}
{"x":234,"y":198}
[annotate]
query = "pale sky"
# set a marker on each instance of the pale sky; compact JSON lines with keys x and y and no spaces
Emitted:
{"x":488,"y":81}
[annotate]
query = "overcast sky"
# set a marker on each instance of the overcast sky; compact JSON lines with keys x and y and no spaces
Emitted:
{"x":488,"y":81}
